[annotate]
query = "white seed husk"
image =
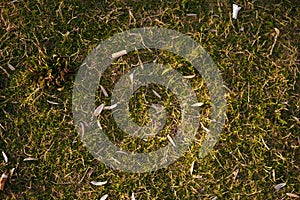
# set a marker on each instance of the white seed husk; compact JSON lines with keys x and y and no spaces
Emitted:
{"x":189,"y":76}
{"x":5,"y":157}
{"x":171,"y":140}
{"x":192,"y":168}
{"x":98,"y":110}
{"x":197,"y":104}
{"x":104,"y":91}
{"x":98,"y":183}
{"x":104,"y":197}
{"x":52,"y":102}
{"x":279,"y":186}
{"x":11,"y":67}
{"x":30,"y":159}
{"x":111,"y":107}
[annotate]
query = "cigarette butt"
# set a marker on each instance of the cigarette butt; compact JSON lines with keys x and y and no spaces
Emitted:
{"x":2,"y":181}
{"x":119,"y":54}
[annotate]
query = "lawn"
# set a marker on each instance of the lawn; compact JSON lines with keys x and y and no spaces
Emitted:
{"x":43,"y":44}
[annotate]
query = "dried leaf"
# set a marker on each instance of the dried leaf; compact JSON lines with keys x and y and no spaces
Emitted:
{"x":171,"y":140}
{"x":111,"y":107}
{"x":215,"y":198}
{"x":5,"y":157}
{"x":279,"y":186}
{"x":30,"y":159}
{"x":292,"y":195}
{"x":197,"y":104}
{"x":98,"y":183}
{"x":104,"y":197}
{"x":98,"y":110}
{"x":119,"y":54}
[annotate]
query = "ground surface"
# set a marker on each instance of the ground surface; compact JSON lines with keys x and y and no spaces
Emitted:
{"x":257,"y":54}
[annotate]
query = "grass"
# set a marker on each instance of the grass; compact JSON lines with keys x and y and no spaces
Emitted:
{"x":46,"y":42}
